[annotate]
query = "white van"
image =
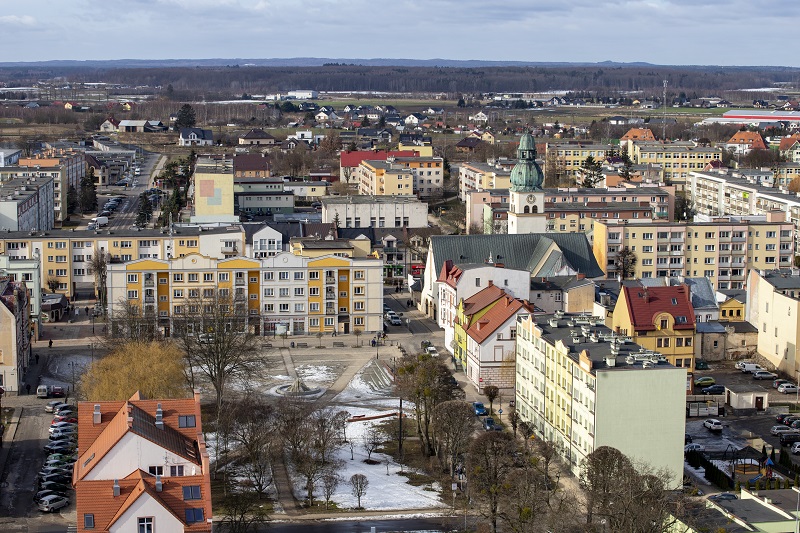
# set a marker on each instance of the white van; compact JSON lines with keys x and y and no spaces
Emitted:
{"x":751,"y":368}
{"x":100,"y":221}
{"x":42,"y":391}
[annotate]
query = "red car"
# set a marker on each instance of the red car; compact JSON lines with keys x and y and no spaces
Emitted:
{"x":70,"y":419}
{"x":57,"y":392}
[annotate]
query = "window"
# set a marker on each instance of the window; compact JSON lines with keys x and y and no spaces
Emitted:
{"x":329,"y":321}
{"x":133,"y":295}
{"x":314,"y":274}
{"x":191,"y":492}
{"x":679,"y":342}
{"x":358,"y":274}
{"x":177,"y":470}
{"x":177,"y":277}
{"x":358,"y":306}
{"x":156,"y":470}
{"x":283,"y":276}
{"x":313,"y":322}
{"x":663,"y":323}
{"x":299,"y":276}
{"x":145,"y":524}
{"x":283,"y":308}
{"x":208,"y":277}
{"x":313,"y":307}
{"x":133,"y":278}
{"x":313,"y":291}
{"x":88,"y":521}
{"x":193,"y":277}
{"x":187,"y":421}
{"x":299,"y":291}
{"x":687,"y":341}
{"x":224,"y":276}
{"x":299,"y":308}
{"x":194,"y":515}
{"x":283,"y":292}
{"x":177,"y":293}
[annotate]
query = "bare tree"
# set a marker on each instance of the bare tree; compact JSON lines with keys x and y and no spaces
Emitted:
{"x":453,"y":422}
{"x":372,"y":441}
{"x":242,"y":512}
{"x":293,"y":416}
{"x":130,"y":322}
{"x":358,"y":485}
{"x":330,"y":482}
{"x":327,"y":426}
{"x":489,"y":464}
{"x":491,"y":392}
{"x":52,"y":283}
{"x":253,"y":432}
{"x":526,"y":430}
{"x":216,"y":337}
{"x":514,"y":420}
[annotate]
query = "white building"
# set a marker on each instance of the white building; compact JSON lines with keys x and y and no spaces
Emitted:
{"x":9,"y":156}
{"x":301,"y":94}
{"x":581,"y":388}
{"x":375,"y":211}
{"x":27,"y":204}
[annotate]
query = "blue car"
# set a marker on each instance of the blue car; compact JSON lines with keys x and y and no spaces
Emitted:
{"x":480,"y":410}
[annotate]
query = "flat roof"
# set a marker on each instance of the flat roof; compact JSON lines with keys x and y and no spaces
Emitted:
{"x":365,"y":199}
{"x":116,"y":232}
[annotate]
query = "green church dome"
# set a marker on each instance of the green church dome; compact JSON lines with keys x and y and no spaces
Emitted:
{"x":527,"y":176}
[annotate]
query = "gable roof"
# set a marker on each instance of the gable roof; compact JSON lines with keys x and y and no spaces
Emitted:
{"x":501,"y":312}
{"x":97,"y":498}
{"x":788,"y":142}
{"x":482,"y":299}
{"x":645,"y":303}
{"x":469,"y":142}
{"x":701,"y":292}
{"x":250,"y":162}
{"x":206,"y":135}
{"x":257,"y":133}
{"x":752,"y":139}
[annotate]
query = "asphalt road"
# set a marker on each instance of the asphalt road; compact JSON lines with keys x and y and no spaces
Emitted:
{"x":441,"y":524}
{"x":125,"y":215}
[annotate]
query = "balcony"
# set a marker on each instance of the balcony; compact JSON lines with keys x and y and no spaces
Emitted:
{"x":240,"y":281}
{"x":149,"y":299}
{"x":149,"y":283}
{"x":230,"y":249}
{"x":330,"y":280}
{"x":330,"y":295}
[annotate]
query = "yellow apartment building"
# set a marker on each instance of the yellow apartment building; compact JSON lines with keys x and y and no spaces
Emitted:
{"x":724,"y":250}
{"x":383,"y":178}
{"x":677,"y":159}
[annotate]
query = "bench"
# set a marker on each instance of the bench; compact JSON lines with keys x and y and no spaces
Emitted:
{"x":267,"y":345}
{"x":338,"y":345}
{"x":302,"y":344}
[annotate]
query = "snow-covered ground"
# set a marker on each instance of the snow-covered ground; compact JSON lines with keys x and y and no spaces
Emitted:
{"x":318,"y":374}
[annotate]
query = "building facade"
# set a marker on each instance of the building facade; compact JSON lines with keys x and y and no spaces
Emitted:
{"x":15,"y":341}
{"x":375,"y":211}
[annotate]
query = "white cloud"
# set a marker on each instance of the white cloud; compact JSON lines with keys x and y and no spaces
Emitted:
{"x":24,"y":20}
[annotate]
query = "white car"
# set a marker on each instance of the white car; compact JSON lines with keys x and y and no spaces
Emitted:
{"x":432,"y":351}
{"x":712,"y":424}
{"x":777,"y":430}
{"x":796,"y":448}
{"x":787,"y":388}
{"x":62,"y":425}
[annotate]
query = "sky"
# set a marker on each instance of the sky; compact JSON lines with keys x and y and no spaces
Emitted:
{"x":667,"y":32}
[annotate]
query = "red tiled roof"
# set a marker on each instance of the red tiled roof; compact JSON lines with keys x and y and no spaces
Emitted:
{"x":638,"y":134}
{"x":751,"y":138}
{"x":482,"y":299}
{"x":96,"y":497}
{"x":504,"y":309}
{"x":354,"y":158}
{"x":788,"y":142}
{"x":450,"y":273}
{"x":645,"y":303}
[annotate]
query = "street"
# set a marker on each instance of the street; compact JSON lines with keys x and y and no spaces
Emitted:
{"x":125,"y":216}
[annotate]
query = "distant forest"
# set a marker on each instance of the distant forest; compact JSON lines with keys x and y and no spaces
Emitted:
{"x":600,"y":79}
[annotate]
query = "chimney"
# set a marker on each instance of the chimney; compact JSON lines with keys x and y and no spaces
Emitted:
{"x":97,"y":416}
{"x":646,"y":296}
{"x":159,"y":485}
{"x":116,"y":488}
{"x":130,"y":415}
{"x":159,"y":417}
{"x":580,"y":275}
{"x":491,"y":283}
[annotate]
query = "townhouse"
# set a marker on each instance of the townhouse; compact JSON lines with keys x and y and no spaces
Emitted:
{"x":142,"y":466}
{"x":581,"y":386}
{"x":15,"y":341}
{"x":318,"y":287}
{"x":64,"y":256}
{"x":723,"y":250}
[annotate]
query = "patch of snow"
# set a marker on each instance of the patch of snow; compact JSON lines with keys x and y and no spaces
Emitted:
{"x":317,"y":373}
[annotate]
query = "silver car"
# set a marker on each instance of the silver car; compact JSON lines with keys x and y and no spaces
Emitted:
{"x":52,"y":503}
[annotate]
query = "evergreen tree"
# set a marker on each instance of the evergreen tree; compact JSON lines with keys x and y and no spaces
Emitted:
{"x":87,"y":196}
{"x":72,"y":199}
{"x":145,"y":211}
{"x":186,"y":117}
{"x":365,"y":122}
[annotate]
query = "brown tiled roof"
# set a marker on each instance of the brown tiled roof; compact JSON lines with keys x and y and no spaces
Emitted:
{"x":450,"y":273}
{"x":96,"y":497}
{"x":638,"y":134}
{"x":751,"y":138}
{"x":482,"y":299}
{"x":250,"y":162}
{"x":257,"y":134}
{"x":504,"y":309}
{"x":644,"y":303}
{"x":788,"y":142}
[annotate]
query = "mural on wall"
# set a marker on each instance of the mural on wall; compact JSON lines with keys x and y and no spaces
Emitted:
{"x":213,"y":195}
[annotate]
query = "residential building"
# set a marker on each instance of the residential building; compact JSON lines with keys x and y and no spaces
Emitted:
{"x":482,"y":176}
{"x":251,"y":166}
{"x":66,"y":167}
{"x":65,"y":255}
{"x":195,"y":137}
{"x":308,"y":290}
{"x":569,"y":156}
{"x":789,"y":147}
{"x":384,"y":178}
{"x":303,"y":94}
{"x":773,"y":305}
{"x":350,"y":160}
{"x":257,"y":137}
{"x":659,"y":319}
{"x":636,"y":134}
{"x":483,"y":206}
{"x":307,"y":190}
{"x":732,"y":304}
{"x":262,"y":196}
{"x":9,"y":157}
{"x":676,"y":159}
{"x":29,"y":272}
{"x":542,"y":255}
{"x":580,"y":386}
{"x":428,"y":173}
{"x":725,"y":341}
{"x":701,"y":294}
{"x":375,"y":211}
{"x":143,"y":466}
{"x":570,"y":294}
{"x":15,"y":342}
{"x":723,"y":250}
{"x":213,"y":192}
{"x":743,"y":142}
{"x":27,"y":203}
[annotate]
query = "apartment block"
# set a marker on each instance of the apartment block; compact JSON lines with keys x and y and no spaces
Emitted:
{"x":723,"y":250}
{"x":773,"y":306}
{"x":213,"y":192}
{"x":427,"y":172}
{"x":568,"y":157}
{"x":384,"y":178}
{"x":287,"y":292}
{"x":581,"y":387}
{"x":27,"y":271}
{"x":27,"y":204}
{"x":677,"y":159}
{"x":65,"y":255}
{"x":483,"y":176}
{"x":66,"y":167}
{"x":142,"y":466}
{"x":15,"y":341}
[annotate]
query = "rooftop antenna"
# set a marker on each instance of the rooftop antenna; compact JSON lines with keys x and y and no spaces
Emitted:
{"x":664,"y":122}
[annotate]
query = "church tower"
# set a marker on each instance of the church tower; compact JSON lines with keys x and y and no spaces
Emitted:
{"x":526,"y":212}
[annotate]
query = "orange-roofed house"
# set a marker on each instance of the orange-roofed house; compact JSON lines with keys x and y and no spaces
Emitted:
{"x":790,"y":148}
{"x":744,"y":141}
{"x":638,"y":134}
{"x":491,"y":343}
{"x":660,"y":319}
{"x":142,"y":466}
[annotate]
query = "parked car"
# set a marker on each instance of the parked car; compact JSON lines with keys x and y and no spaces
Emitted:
{"x":789,"y":419}
{"x":58,"y":463}
{"x":432,"y":351}
{"x":395,"y":320}
{"x":52,"y":485}
{"x":694,"y":448}
{"x":751,"y":367}
{"x":43,"y":493}
{"x":740,"y":364}
{"x":63,"y":479}
{"x":780,"y":417}
{"x":57,"y":392}
{"x":488,"y":423}
{"x":64,"y":418}
{"x":61,"y":457}
{"x":56,"y":426}
{"x":763,"y":374}
{"x":479,"y":409}
{"x":52,"y":406}
{"x":705,"y":381}
{"x":52,"y":503}
{"x":795,"y":449}
{"x":723,"y":496}
{"x":712,"y":424}
{"x":700,"y":364}
{"x":777,"y":430}
{"x":61,"y":447}
{"x":787,"y":388}
{"x":714,"y":389}
{"x":778,"y":382}
{"x":55,"y":471}
{"x":789,"y":437}
{"x":63,"y":432}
